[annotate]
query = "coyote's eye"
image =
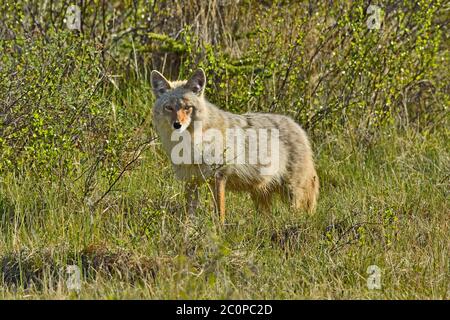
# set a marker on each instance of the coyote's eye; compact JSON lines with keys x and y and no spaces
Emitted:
{"x":188,"y":107}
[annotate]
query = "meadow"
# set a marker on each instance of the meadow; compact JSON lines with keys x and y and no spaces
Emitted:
{"x":90,"y":208}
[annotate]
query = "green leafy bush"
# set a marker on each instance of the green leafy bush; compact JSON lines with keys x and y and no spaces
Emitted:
{"x":66,"y":98}
{"x":53,"y":112}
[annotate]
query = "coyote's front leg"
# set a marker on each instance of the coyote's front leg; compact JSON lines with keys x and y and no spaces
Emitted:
{"x":191,"y":195}
{"x":219,"y":195}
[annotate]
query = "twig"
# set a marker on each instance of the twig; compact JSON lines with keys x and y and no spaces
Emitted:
{"x":136,"y":156}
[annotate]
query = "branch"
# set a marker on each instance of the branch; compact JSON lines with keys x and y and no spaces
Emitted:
{"x":137,"y":154}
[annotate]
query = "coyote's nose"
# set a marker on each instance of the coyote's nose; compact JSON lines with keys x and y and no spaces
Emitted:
{"x":177,"y":125}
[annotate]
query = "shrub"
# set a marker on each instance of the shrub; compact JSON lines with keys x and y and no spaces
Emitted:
{"x":63,"y":97}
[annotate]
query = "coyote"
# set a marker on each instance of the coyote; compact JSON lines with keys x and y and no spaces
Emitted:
{"x":180,"y":105}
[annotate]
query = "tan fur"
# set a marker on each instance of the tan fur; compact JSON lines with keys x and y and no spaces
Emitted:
{"x":295,"y":179}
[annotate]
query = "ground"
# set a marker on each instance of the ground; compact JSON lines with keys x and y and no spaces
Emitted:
{"x":382,"y":203}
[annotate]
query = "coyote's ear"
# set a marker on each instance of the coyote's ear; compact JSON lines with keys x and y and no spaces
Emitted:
{"x":159,"y":84}
{"x":197,"y":82}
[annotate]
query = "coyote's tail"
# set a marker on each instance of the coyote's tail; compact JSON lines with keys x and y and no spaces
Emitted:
{"x":312,"y":193}
{"x":304,"y":193}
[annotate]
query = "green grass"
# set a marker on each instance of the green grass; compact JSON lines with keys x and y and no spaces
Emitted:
{"x":72,"y":107}
{"x":385,"y":204}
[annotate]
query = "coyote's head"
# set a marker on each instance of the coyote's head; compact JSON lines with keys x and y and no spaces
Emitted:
{"x":179,"y":102}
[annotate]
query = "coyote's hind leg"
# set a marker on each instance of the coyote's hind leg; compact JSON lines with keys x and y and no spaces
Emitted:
{"x":219,"y":195}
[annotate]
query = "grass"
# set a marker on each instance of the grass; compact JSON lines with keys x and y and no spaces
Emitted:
{"x":73,"y":106}
{"x":383,"y":204}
